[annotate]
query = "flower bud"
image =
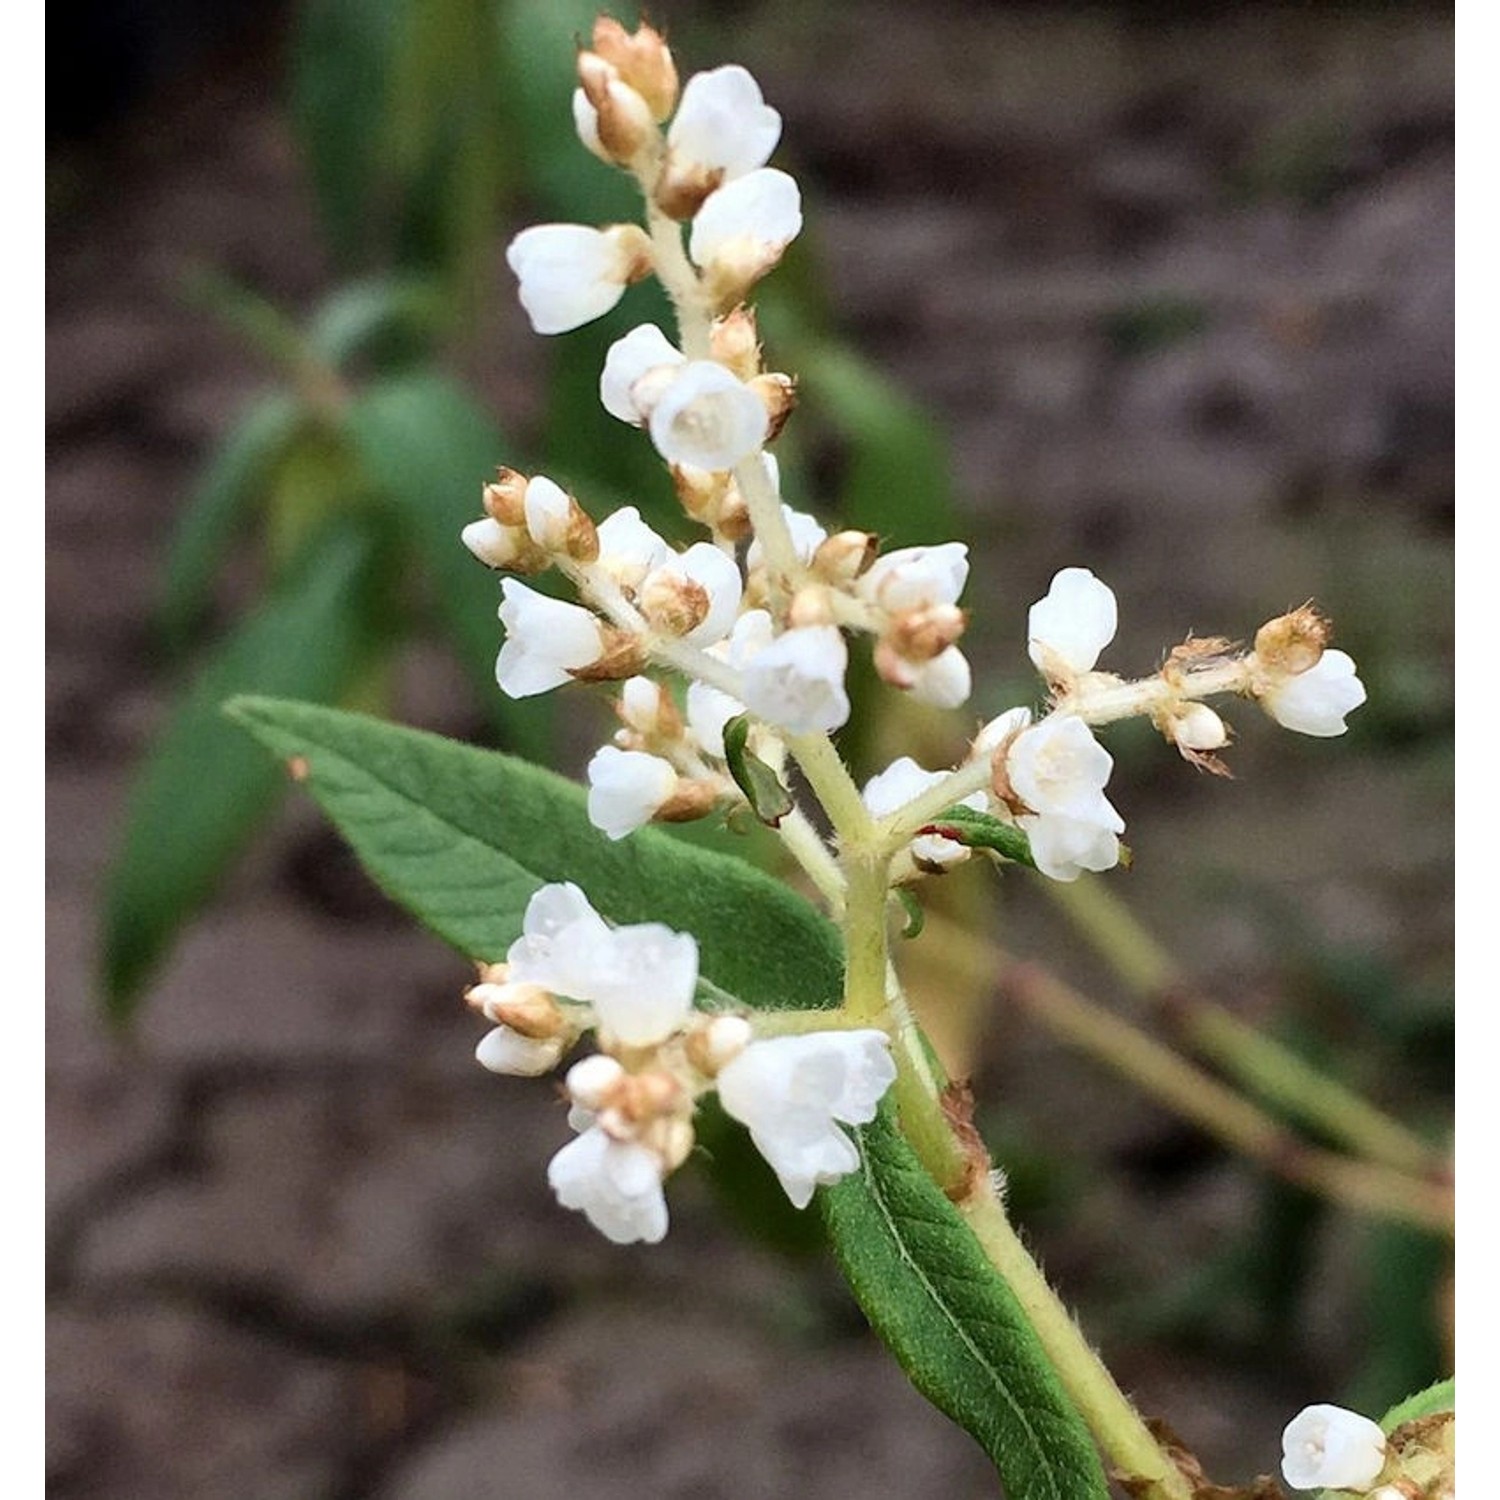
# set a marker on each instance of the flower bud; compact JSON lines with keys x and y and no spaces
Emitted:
{"x":673,"y":604}
{"x":527,"y":1009}
{"x":778,"y":394}
{"x":1196,"y":727}
{"x":498,"y":546}
{"x":671,"y":1138}
{"x":921,"y":634}
{"x":701,"y":492}
{"x":623,"y":123}
{"x":734,"y":341}
{"x":591,"y":1081}
{"x":505,"y":497}
{"x":1292,"y":643}
{"x":643,"y":60}
{"x":690,"y":800}
{"x":717,"y":1043}
{"x":844,"y":556}
{"x":648,"y":708}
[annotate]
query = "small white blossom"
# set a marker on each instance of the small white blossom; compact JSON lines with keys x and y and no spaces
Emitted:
{"x":637,"y":369}
{"x":617,"y":1184}
{"x":494,"y":545}
{"x":563,"y":942}
{"x":708,"y":711}
{"x":1057,"y":767}
{"x":708,"y":418}
{"x":1328,"y":1447}
{"x":643,"y":991}
{"x":917,"y":577}
{"x":1064,"y":848}
{"x":943,"y":682}
{"x":1315,"y":701}
{"x":569,"y":274}
{"x":901,"y":782}
{"x":1072,"y":624}
{"x":797,"y":681}
{"x":505,"y":1051}
{"x":547,"y":512}
{"x":628,"y":548}
{"x":749,"y":221}
{"x":723,"y":123}
{"x":546,"y":641}
{"x":626,"y":789}
{"x":793,"y":1092}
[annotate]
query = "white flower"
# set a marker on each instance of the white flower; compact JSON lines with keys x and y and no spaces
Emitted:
{"x":1058,"y":767}
{"x":546,"y":641}
{"x":628,"y":548}
{"x":749,"y":221}
{"x":708,"y":711}
{"x":793,"y":1092}
{"x":797,"y":681}
{"x":626,"y":788}
{"x":752,"y":633}
{"x":493,"y":544}
{"x":1072,"y":625}
{"x":708,"y":418}
{"x":505,"y":1051}
{"x":637,"y":369}
{"x":999,"y":730}
{"x":945,"y":681}
{"x":901,"y":782}
{"x":917,"y":577}
{"x":547,"y":512}
{"x":1063,"y":848}
{"x":563,"y":942}
{"x":717,"y":574}
{"x":617,"y":1184}
{"x":723,"y":123}
{"x":807,"y":535}
{"x":642,"y":990}
{"x":1331,"y":1448}
{"x":1315,"y":701}
{"x":570,"y":274}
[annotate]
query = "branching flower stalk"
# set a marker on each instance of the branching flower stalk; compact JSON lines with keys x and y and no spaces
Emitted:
{"x":731,"y":656}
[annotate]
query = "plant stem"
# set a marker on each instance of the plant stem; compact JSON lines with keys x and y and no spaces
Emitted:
{"x":1116,"y":1425}
{"x":1258,"y":1061}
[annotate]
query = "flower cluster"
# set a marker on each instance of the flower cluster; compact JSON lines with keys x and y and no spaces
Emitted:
{"x":632,"y":1101}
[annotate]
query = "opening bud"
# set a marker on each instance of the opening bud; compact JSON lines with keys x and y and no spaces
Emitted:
{"x":673,"y":604}
{"x":844,"y":556}
{"x":592,"y":1081}
{"x":1197,"y":731}
{"x":623,"y":123}
{"x":649,"y":709}
{"x":505,"y":497}
{"x":1292,"y":643}
{"x":498,"y":546}
{"x":919,"y":635}
{"x":778,"y":394}
{"x":527,"y":1009}
{"x":701,"y":492}
{"x":717,"y":1043}
{"x":642,"y":59}
{"x":734,"y":341}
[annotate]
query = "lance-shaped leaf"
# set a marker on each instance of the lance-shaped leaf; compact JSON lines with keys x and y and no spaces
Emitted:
{"x":768,"y":798}
{"x":205,"y":788}
{"x":953,"y":1322}
{"x":461,"y":837}
{"x":1435,"y":1399}
{"x":981,"y":830}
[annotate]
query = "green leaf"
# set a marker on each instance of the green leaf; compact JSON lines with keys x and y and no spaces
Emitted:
{"x":387,"y":319}
{"x":427,"y":448}
{"x":236,"y":477}
{"x":340,"y":98}
{"x":461,"y":838}
{"x":953,"y":1323}
{"x":980,"y":830}
{"x":916,"y":918}
{"x":1436,"y":1398}
{"x":204,"y":788}
{"x":768,"y":798}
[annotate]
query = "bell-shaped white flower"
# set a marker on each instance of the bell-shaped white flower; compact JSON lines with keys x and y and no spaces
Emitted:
{"x":916,"y":577}
{"x":944,"y":682}
{"x":1316,"y":701}
{"x":546,"y":641}
{"x":547,"y":513}
{"x":1058,"y":767}
{"x":797,"y":681}
{"x":723,"y":123}
{"x":708,"y":418}
{"x":628,"y":548}
{"x":570,"y":274}
{"x":643,"y":989}
{"x":1327,"y":1447}
{"x":1064,"y":848}
{"x":637,"y":369}
{"x":626,"y":789}
{"x":747,"y":222}
{"x":617,"y":1184}
{"x":708,"y":711}
{"x":717,"y":574}
{"x":505,"y":1051}
{"x":794,"y":1092}
{"x":1068,"y":628}
{"x":901,"y":782}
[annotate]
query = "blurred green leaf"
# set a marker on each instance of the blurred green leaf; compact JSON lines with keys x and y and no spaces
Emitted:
{"x":953,"y":1323}
{"x":205,"y":788}
{"x":342,"y":55}
{"x":255,"y":318}
{"x":427,"y":448}
{"x":462,"y":837}
{"x":237,"y":476}
{"x":388,"y":320}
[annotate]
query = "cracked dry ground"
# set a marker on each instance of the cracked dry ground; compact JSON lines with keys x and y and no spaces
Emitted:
{"x":301,"y":1246}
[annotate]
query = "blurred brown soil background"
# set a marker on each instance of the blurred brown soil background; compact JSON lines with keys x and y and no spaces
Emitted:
{"x":1179,"y":286}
